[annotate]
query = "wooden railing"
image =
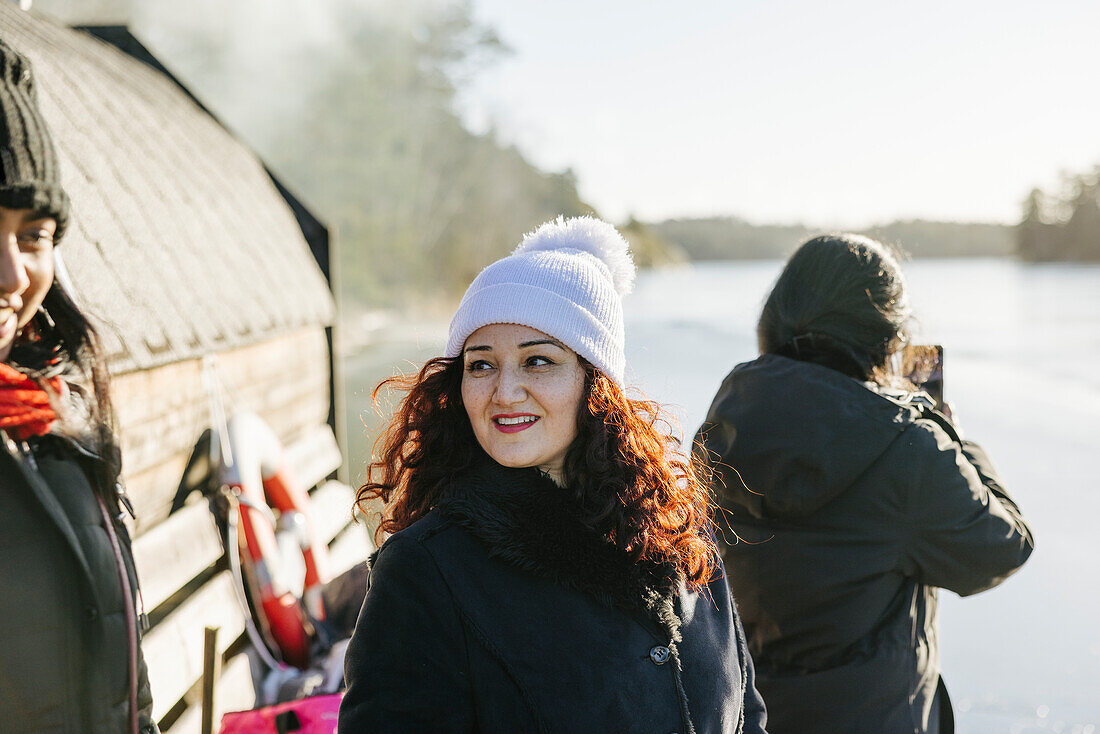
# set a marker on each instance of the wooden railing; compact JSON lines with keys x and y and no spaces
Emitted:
{"x":187,"y":587}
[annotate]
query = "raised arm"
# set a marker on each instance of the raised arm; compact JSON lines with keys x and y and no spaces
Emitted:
{"x":964,"y":532}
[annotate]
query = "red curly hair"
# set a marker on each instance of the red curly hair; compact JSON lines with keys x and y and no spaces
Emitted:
{"x":625,"y":469}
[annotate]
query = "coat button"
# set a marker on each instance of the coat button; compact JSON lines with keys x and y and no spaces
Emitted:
{"x":659,"y":655}
{"x":91,"y":613}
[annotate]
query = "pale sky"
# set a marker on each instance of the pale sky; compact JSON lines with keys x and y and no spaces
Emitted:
{"x":843,"y":113}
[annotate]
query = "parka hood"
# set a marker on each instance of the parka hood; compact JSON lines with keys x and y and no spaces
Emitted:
{"x":786,"y":437}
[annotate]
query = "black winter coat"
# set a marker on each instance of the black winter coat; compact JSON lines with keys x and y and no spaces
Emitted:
{"x":63,"y":645}
{"x":855,"y":507}
{"x":498,"y":612}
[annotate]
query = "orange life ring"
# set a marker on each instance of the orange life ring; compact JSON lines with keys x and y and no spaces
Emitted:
{"x":254,"y":468}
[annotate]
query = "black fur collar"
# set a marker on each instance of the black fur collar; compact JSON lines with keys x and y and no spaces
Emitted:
{"x":529,"y":522}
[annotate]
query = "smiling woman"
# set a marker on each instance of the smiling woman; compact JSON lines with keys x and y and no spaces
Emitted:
{"x":69,"y":605}
{"x":26,"y":269}
{"x":522,"y":390}
{"x":551,"y":564}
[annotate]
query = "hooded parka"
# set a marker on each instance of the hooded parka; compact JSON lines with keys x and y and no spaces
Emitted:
{"x":853,"y":507}
{"x":499,"y":612}
{"x":64,"y":666}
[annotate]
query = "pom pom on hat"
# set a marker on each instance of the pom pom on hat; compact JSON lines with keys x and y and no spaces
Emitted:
{"x":586,"y":234}
{"x":565,"y":279}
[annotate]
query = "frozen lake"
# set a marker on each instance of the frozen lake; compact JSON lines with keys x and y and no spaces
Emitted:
{"x":1022,"y":349}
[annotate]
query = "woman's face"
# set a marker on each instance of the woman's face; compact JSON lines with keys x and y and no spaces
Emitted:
{"x":26,"y":270}
{"x":522,"y":389}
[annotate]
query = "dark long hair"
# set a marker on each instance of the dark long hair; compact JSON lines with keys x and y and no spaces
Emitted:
{"x":624,"y":467}
{"x":66,"y":344}
{"x":840,"y":302}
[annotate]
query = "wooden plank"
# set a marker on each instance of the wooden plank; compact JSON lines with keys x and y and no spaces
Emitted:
{"x":179,"y":423}
{"x":331,"y":509}
{"x":314,"y":456}
{"x":245,"y":371}
{"x":308,"y":409}
{"x":211,"y":669}
{"x":175,"y":552}
{"x":148,"y":443}
{"x":153,"y":490}
{"x":173,"y":649}
{"x":164,"y":410}
{"x":234,"y":692}
{"x":351,"y":547}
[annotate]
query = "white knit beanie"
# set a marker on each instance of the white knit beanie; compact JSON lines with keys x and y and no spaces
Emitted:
{"x":566,"y":279}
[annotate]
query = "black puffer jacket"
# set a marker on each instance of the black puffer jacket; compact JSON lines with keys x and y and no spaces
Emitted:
{"x":854,"y":508}
{"x":498,"y":612}
{"x":63,"y":645}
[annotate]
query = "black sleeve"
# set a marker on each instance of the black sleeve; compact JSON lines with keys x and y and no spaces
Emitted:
{"x":406,"y":665}
{"x":964,"y":531}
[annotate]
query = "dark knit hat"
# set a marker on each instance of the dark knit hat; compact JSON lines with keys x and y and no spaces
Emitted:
{"x":29,"y":174}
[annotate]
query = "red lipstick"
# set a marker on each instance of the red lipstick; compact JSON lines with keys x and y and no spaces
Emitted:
{"x":514,"y":422}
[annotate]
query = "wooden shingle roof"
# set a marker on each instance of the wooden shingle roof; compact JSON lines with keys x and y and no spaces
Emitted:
{"x":180,"y":244}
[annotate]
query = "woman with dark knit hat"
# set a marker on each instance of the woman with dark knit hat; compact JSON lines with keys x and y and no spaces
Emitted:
{"x":551,"y":566}
{"x":70,"y":659}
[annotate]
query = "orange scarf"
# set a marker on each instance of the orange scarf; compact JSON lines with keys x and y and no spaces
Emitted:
{"x":25,"y":409}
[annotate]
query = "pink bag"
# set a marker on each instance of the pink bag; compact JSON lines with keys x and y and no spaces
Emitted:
{"x":315,"y":715}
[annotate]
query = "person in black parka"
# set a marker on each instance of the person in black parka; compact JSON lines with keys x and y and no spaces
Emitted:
{"x":70,"y":661}
{"x":551,"y":566}
{"x":855,"y":501}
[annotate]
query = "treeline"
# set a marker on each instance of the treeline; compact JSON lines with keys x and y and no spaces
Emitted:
{"x":1063,"y":224}
{"x":419,"y":203}
{"x":731,"y":238}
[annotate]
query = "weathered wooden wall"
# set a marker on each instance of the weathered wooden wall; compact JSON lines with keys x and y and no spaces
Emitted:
{"x":162,"y":412}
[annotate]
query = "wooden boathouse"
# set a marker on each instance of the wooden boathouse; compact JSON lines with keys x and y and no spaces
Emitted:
{"x":194,"y":261}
